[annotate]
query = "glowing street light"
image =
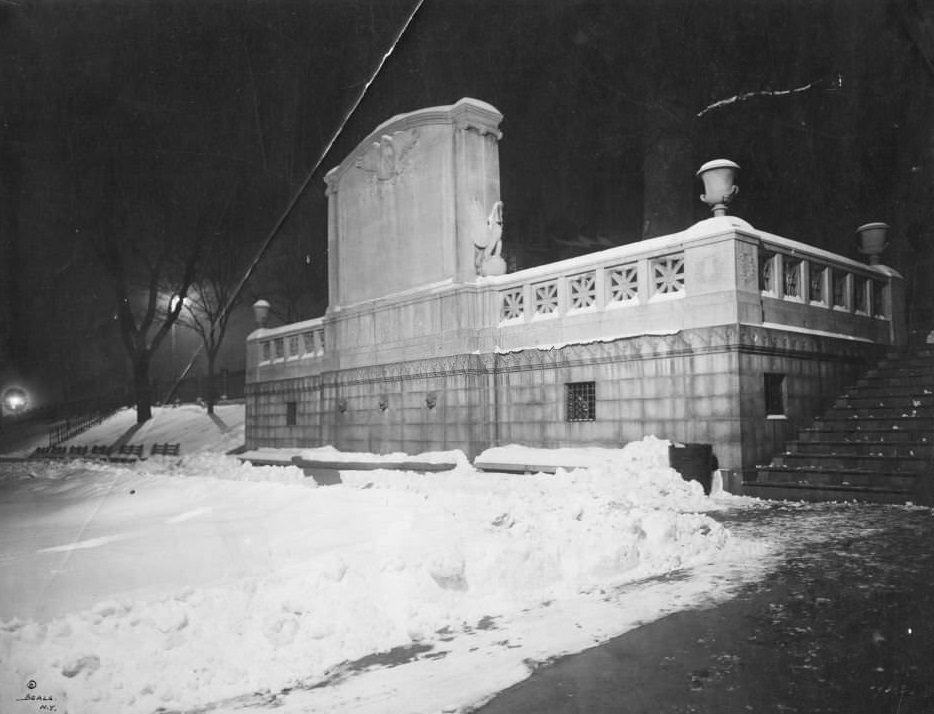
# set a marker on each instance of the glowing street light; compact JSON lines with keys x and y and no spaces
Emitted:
{"x":15,"y":400}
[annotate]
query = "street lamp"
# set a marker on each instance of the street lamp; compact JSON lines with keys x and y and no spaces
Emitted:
{"x":15,"y":400}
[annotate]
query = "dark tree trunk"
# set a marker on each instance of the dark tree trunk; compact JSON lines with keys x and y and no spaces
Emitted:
{"x":209,"y":390}
{"x":668,"y":176}
{"x":143,"y":389}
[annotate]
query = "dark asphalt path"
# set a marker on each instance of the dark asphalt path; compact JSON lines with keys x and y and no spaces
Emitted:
{"x":845,"y":625}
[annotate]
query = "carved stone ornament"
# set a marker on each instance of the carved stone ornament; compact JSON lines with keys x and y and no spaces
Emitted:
{"x":388,"y":158}
{"x":342,"y":405}
{"x":383,"y":402}
{"x":487,"y":258}
{"x":431,"y":400}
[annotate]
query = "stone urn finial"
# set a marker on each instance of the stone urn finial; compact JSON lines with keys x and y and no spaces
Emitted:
{"x":719,"y":187}
{"x":872,"y":240}
{"x":261,"y":312}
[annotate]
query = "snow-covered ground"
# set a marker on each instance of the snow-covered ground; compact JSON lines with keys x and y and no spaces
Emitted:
{"x":184,"y":582}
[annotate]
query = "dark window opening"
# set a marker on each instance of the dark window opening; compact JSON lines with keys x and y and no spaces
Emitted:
{"x":291,"y":413}
{"x":774,"y":394}
{"x":581,"y":401}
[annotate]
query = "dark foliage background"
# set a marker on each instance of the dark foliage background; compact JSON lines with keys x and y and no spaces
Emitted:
{"x":166,"y":120}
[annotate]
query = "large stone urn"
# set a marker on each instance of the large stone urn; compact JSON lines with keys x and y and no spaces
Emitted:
{"x":872,"y":240}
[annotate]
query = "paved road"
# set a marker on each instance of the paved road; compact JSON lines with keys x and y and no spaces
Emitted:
{"x":845,"y":625}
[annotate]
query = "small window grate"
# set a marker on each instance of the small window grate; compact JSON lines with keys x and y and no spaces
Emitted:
{"x":291,"y":413}
{"x":581,"y":401}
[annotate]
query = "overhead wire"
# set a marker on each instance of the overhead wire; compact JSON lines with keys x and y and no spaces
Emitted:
{"x":301,"y":190}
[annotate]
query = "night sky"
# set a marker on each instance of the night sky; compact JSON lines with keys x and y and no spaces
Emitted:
{"x":163,"y":122}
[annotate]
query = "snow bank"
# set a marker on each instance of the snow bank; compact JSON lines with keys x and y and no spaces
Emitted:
{"x":330,"y":575}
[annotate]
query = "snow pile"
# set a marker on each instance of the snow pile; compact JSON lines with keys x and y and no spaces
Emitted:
{"x":193,"y":580}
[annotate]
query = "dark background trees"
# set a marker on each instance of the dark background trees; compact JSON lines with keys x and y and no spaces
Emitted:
{"x":189,"y":106}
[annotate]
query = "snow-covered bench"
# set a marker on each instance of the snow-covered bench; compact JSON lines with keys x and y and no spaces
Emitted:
{"x":165,"y":449}
{"x":127,"y":453}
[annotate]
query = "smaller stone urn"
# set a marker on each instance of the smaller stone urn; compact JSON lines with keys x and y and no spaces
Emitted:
{"x":872,"y":240}
{"x":261,"y":312}
{"x":718,"y":176}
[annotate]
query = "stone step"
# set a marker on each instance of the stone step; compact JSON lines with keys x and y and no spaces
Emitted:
{"x":888,"y":436}
{"x":914,"y":358}
{"x":908,"y":391}
{"x":807,"y":492}
{"x":848,"y":425}
{"x":873,"y":462}
{"x":898,"y":368}
{"x":857,"y":400}
{"x":886,"y":381}
{"x":911,"y":449}
{"x":876,"y":412}
{"x":864,"y":478}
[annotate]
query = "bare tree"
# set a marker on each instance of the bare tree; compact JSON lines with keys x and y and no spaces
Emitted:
{"x":209,"y":303}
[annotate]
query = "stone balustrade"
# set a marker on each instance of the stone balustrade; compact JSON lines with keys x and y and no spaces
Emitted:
{"x":718,"y":272}
{"x":296,"y":349}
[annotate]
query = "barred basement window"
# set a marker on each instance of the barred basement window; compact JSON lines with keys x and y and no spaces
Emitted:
{"x":774,"y":394}
{"x":581,"y":401}
{"x":291,"y":413}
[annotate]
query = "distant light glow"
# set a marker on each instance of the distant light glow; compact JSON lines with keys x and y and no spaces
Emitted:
{"x":15,"y":399}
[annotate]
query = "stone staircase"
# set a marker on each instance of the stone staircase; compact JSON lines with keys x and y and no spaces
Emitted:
{"x":875,"y":444}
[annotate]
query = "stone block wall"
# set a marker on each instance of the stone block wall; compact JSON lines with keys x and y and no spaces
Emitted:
{"x":695,"y":386}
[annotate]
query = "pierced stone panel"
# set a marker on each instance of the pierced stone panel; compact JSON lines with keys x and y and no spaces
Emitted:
{"x":859,"y":294}
{"x":267,"y":351}
{"x":767,"y":271}
{"x":791,"y":276}
{"x":816,"y":284}
{"x":668,"y":274}
{"x":582,"y":290}
{"x":838,"y":279}
{"x":308,"y":340}
{"x":546,"y":298}
{"x":513,"y":304}
{"x":878,"y":302}
{"x":294,"y":350}
{"x":623,"y":283}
